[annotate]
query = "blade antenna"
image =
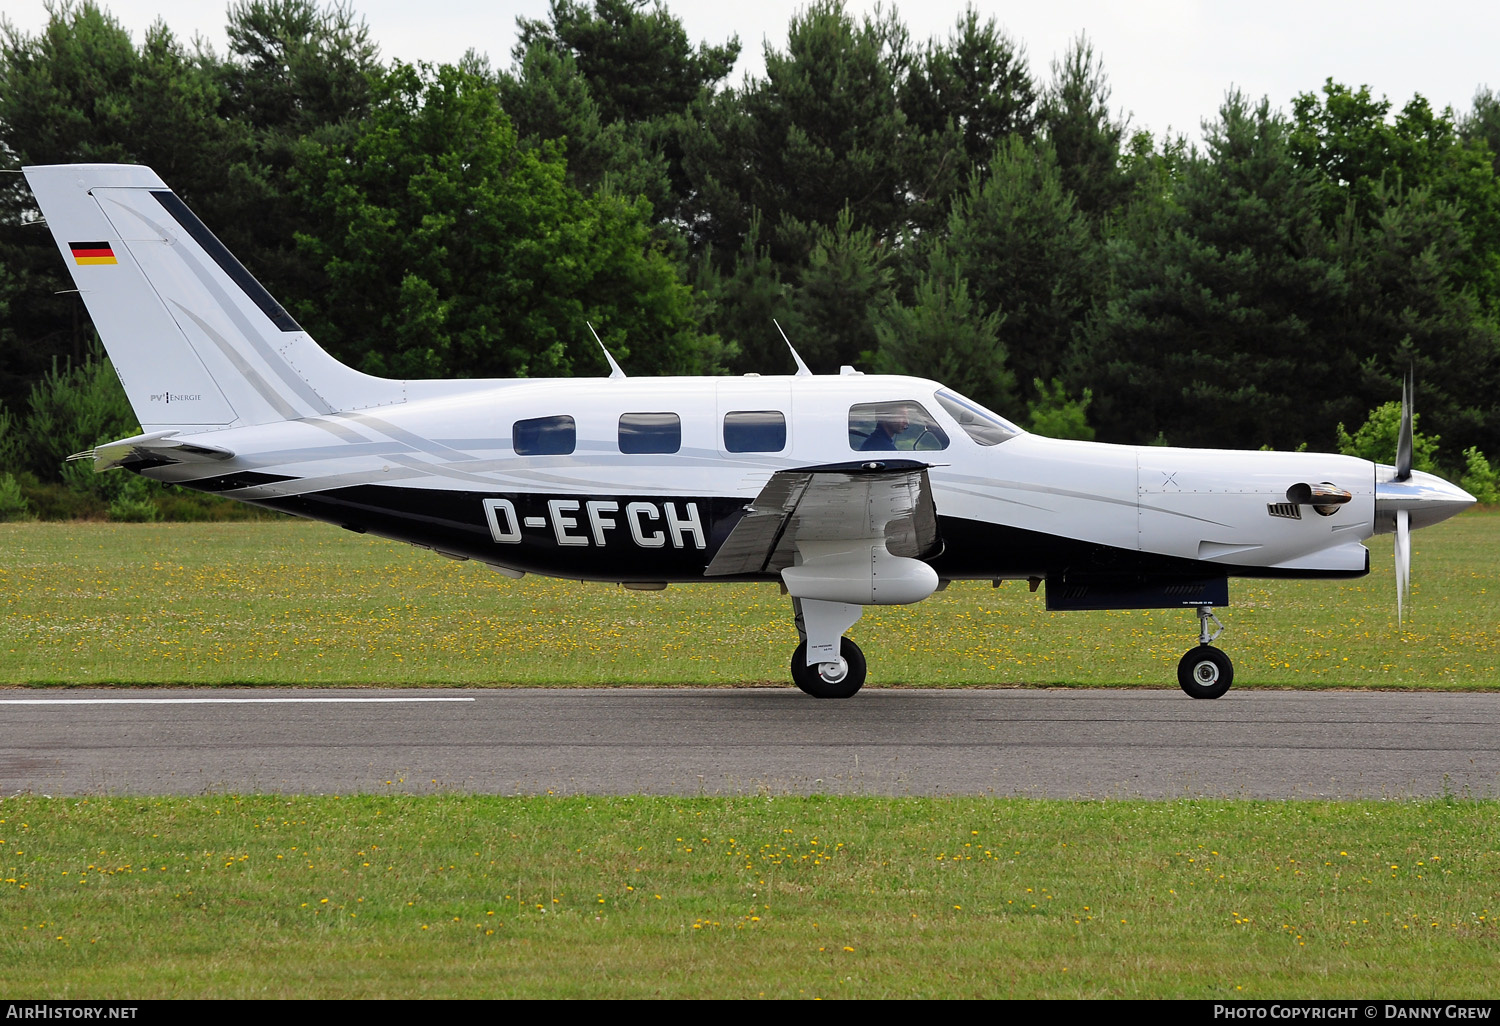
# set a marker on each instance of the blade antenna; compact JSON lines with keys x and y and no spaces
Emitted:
{"x":1404,"y":440}
{"x":614,"y":368}
{"x":802,"y":371}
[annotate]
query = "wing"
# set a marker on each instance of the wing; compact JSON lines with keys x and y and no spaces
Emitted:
{"x":844,"y":501}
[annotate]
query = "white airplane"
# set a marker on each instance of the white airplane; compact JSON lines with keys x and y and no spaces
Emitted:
{"x":850,"y":490}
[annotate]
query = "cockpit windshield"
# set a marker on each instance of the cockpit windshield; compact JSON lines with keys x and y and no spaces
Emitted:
{"x":978,"y":423}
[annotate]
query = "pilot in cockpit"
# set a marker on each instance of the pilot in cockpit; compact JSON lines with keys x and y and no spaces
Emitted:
{"x":888,"y":427}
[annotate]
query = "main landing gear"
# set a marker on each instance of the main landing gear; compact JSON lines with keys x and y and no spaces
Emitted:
{"x":1206,"y":672}
{"x":839,"y":679}
{"x":825,"y":623}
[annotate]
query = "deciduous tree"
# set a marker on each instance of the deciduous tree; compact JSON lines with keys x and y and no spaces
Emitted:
{"x":448,"y":249}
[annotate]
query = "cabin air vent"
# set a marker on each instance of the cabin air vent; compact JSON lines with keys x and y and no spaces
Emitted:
{"x":1284,"y":509}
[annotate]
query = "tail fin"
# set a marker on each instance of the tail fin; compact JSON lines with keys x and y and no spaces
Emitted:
{"x":197,"y":341}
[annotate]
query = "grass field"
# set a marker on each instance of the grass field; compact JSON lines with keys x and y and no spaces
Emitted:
{"x":301,"y":603}
{"x":481,"y":896}
{"x":394,"y":896}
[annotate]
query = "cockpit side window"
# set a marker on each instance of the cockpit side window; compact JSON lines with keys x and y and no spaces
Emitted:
{"x":903,"y":425}
{"x":978,"y":423}
{"x":545,"y":436}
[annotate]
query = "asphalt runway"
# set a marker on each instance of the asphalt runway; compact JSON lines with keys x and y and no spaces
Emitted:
{"x":1039,"y":743}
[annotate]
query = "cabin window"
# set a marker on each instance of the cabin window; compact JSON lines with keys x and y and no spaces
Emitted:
{"x":650,"y":432}
{"x":755,"y":431}
{"x":545,"y":436}
{"x":895,"y":426}
{"x":980,"y":424}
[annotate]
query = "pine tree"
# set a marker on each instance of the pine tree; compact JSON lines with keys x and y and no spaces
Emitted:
{"x":1482,"y":125}
{"x":1212,"y":334}
{"x":962,"y":97}
{"x":1030,"y":253}
{"x":1085,"y":135}
{"x":821,"y":133}
{"x":635,"y":57}
{"x":945,"y":335}
{"x":744,"y":304}
{"x":846,"y":279}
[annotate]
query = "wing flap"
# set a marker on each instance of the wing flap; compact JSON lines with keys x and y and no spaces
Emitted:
{"x":832,"y":503}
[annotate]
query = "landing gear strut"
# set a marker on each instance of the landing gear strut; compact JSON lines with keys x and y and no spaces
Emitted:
{"x":1206,"y":672}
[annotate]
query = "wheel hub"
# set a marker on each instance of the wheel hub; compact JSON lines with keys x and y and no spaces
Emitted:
{"x":833,"y":672}
{"x":1206,"y":673}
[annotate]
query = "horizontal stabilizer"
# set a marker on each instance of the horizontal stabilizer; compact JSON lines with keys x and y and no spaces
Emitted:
{"x":157,"y":448}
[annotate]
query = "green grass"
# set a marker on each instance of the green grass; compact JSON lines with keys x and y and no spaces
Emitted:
{"x":300,"y":603}
{"x":474,"y":896}
{"x":385,"y":896}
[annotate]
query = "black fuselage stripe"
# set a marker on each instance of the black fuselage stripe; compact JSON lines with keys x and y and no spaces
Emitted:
{"x":455,"y":522}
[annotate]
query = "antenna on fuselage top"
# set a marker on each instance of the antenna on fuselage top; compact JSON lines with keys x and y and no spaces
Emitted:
{"x":802,"y":371}
{"x":614,"y":368}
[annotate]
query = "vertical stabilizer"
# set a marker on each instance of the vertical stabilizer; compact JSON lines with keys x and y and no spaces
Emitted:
{"x":197,"y":341}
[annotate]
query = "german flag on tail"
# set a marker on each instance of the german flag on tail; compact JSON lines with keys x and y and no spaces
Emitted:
{"x":92,"y":253}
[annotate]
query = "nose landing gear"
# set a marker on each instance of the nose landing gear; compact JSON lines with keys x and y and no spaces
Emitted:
{"x":1206,"y":672}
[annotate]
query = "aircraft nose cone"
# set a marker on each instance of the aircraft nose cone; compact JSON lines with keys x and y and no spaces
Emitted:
{"x":1427,"y":498}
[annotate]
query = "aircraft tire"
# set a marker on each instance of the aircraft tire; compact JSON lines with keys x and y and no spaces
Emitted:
{"x":811,"y":680}
{"x":1205,"y":672}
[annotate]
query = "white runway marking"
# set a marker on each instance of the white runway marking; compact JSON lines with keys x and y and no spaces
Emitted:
{"x":213,"y":701}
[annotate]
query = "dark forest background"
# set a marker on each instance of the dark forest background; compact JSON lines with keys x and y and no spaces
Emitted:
{"x":936,"y":207}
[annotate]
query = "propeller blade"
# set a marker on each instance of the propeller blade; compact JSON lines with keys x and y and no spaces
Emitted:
{"x":1404,"y":440}
{"x":1403,"y":559}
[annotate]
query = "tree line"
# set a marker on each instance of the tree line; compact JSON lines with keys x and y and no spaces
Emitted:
{"x":934,"y":207}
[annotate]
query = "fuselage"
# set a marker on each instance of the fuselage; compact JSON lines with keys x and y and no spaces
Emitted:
{"x":641,"y":480}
